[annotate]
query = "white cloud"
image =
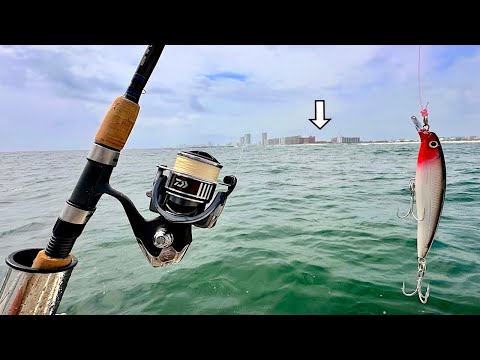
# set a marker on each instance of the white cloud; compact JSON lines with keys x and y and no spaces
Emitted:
{"x":370,"y":91}
{"x":168,"y":121}
{"x":6,"y":50}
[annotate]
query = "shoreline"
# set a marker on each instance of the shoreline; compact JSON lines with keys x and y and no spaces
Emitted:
{"x":418,"y":142}
{"x":386,"y":143}
{"x":233,"y":146}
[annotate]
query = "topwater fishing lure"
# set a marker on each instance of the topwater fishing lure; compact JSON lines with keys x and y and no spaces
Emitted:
{"x":428,"y":191}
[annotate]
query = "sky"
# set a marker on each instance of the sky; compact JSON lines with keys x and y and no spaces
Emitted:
{"x":55,"y":97}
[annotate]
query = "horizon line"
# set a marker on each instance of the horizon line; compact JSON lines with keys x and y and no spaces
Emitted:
{"x":446,"y":139}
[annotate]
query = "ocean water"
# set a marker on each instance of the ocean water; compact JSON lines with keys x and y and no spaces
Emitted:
{"x":310,"y":229}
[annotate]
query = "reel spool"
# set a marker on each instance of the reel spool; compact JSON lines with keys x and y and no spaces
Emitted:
{"x":192,"y":183}
{"x":181,"y":196}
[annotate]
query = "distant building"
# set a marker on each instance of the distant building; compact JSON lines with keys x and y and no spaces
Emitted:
{"x":290,"y":140}
{"x":345,"y":140}
{"x":351,"y":140}
{"x":242,"y":141}
{"x":264,"y":139}
{"x":307,"y":140}
{"x":248,"y":139}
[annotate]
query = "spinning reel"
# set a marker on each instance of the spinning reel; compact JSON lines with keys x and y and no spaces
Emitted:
{"x":182,"y":196}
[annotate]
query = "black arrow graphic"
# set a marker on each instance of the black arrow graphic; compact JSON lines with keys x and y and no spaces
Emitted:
{"x":319,"y":111}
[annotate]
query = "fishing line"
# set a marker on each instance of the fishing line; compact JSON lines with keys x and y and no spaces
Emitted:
{"x":423,"y":110}
{"x":239,"y":159}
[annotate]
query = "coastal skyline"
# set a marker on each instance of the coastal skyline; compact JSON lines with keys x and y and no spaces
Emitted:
{"x":340,"y":138}
{"x":307,"y":140}
{"x":55,"y":97}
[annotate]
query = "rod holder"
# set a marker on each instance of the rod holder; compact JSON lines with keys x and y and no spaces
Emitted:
{"x":29,"y":291}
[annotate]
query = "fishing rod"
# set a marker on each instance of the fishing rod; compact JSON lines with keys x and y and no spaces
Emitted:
{"x":181,"y":196}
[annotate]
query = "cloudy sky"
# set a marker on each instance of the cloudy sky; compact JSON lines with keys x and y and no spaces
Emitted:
{"x":55,"y":97}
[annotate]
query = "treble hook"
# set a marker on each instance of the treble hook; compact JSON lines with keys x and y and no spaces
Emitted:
{"x":422,"y":268}
{"x":411,"y":186}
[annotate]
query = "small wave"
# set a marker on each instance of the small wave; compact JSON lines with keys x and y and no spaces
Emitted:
{"x":460,"y":199}
{"x":15,"y":189}
{"x":22,"y":229}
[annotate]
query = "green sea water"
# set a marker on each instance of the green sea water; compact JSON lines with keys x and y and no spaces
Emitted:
{"x":310,"y":229}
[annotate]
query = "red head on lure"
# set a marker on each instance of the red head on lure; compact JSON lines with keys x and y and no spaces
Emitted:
{"x":430,"y":147}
